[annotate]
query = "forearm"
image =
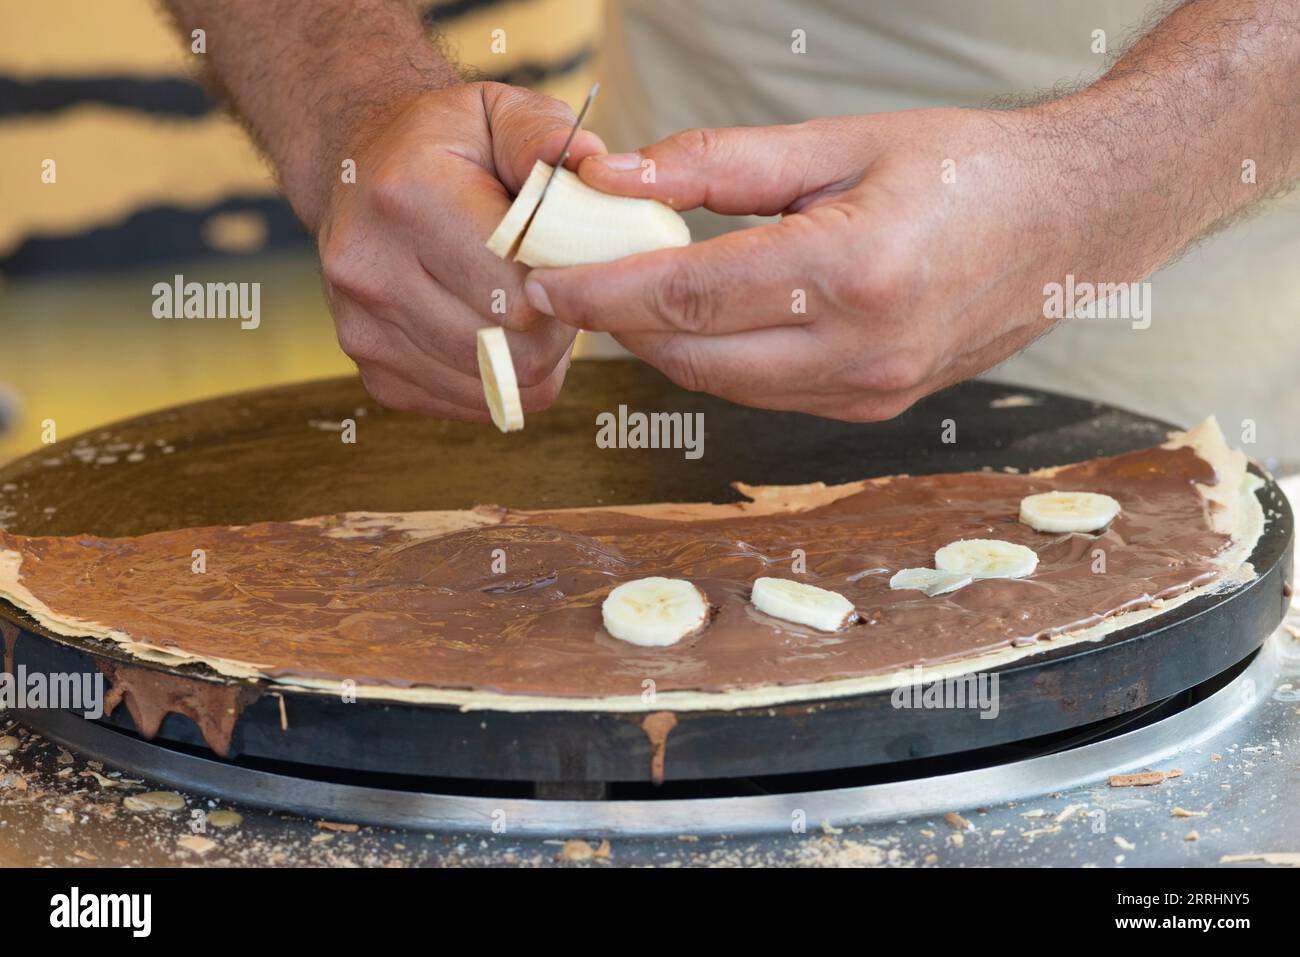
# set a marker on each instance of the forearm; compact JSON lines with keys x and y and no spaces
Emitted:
{"x":1197,"y":121}
{"x":307,"y":76}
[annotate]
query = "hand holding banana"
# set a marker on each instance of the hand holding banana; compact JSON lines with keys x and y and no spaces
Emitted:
{"x":911,"y":254}
{"x":406,"y":273}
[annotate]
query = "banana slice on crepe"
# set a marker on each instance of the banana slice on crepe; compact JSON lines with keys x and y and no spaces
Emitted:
{"x":1068,"y":511}
{"x":802,"y":603}
{"x":655,"y":612}
{"x":930,"y":580}
{"x":986,"y":558}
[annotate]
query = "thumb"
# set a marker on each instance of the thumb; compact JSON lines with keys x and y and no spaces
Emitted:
{"x":526,"y":127}
{"x":741,"y":170}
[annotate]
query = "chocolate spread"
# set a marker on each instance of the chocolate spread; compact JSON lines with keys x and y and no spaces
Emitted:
{"x":386,"y":609}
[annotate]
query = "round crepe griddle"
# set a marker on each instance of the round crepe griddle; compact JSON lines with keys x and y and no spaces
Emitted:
{"x":276,"y":455}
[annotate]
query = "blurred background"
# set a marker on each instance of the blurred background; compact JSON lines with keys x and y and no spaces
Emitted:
{"x":152,"y":180}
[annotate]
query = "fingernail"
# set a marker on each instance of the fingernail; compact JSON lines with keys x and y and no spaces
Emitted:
{"x":621,"y":161}
{"x":537,"y":297}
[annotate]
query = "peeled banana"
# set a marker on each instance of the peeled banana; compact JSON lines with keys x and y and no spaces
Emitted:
{"x":655,"y":612}
{"x":576,"y":224}
{"x":1068,"y":511}
{"x":803,"y":604}
{"x":986,"y":558}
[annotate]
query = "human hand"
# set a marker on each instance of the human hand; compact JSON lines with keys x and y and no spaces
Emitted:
{"x":912,"y":253}
{"x":407,"y":275}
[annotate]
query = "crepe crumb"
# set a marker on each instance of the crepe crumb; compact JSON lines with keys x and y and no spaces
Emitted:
{"x":154,"y":801}
{"x":1143,"y":778}
{"x":1039,"y":832}
{"x":104,"y":781}
{"x":577,"y":850}
{"x":829,"y":851}
{"x":199,"y":845}
{"x":335,"y":826}
{"x":1069,"y":811}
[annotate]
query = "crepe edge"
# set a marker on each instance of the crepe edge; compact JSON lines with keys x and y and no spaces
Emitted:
{"x":1232,"y":509}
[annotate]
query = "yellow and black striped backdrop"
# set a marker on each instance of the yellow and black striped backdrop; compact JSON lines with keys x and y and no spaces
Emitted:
{"x":152,"y":180}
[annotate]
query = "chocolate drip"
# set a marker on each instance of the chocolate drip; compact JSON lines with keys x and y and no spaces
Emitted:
{"x":9,"y":631}
{"x":152,"y":695}
{"x":656,"y":727}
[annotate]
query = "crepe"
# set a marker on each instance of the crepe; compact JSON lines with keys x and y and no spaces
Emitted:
{"x":416,"y":606}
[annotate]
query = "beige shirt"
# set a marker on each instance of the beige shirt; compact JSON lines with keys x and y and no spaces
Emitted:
{"x":1225,"y":319}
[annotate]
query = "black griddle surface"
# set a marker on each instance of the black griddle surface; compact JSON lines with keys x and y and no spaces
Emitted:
{"x":276,"y":455}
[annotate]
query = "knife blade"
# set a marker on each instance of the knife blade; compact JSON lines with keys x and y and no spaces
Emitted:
{"x":564,"y":153}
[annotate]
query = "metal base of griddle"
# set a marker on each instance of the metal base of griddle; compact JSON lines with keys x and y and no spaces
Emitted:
{"x":1153,"y":744}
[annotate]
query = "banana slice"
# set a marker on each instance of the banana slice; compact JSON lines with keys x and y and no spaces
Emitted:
{"x":801,"y":603}
{"x":577,"y":224}
{"x":1068,"y":511}
{"x":930,"y":581}
{"x":505,"y":239}
{"x":500,"y":387}
{"x":986,"y":558}
{"x":655,"y":612}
